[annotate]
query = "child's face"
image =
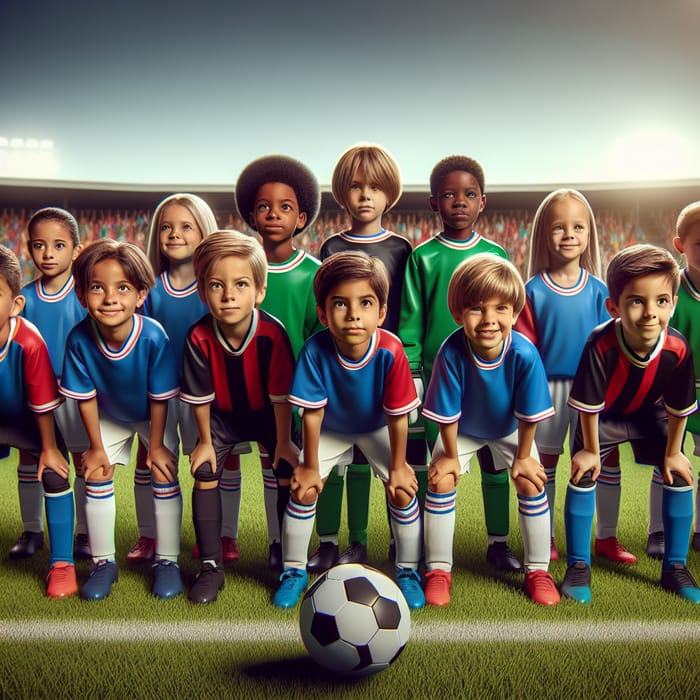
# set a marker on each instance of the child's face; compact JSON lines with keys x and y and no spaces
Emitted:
{"x":690,"y":246}
{"x":644,"y":309}
{"x":458,"y":201}
{"x":231,"y":292}
{"x":178,"y":233}
{"x":52,"y":248}
{"x":352,"y":313}
{"x":110,"y":298}
{"x":366,"y":202}
{"x":276,"y":215}
{"x":10,"y":304}
{"x":567,"y":229}
{"x":487,"y":325}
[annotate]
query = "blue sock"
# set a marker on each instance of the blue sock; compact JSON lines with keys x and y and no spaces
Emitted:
{"x":579,"y":508}
{"x":677,"y":514}
{"x":60,"y":515}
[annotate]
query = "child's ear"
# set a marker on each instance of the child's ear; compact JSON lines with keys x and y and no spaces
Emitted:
{"x":482,"y":205}
{"x":382,"y":314}
{"x":612,"y":308}
{"x":17,"y":305}
{"x":678,"y":245}
{"x":77,"y":250}
{"x":251,"y":221}
{"x":301,"y":220}
{"x":260,"y":295}
{"x":80,"y":293}
{"x":141,"y":297}
{"x":322,"y":316}
{"x":433,"y":204}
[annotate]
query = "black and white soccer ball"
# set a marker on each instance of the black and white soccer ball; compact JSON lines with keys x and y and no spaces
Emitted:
{"x":354,"y":620}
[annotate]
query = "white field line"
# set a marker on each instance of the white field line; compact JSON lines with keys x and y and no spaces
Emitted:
{"x":266,"y":632}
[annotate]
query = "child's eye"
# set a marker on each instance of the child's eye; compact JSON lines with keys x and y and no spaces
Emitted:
{"x":366,"y":303}
{"x":242,"y":284}
{"x":448,"y":195}
{"x":37,"y":246}
{"x":471,"y":195}
{"x":263,"y":207}
{"x":95,"y":288}
{"x":215,"y":285}
{"x":124,"y":288}
{"x":338,"y":304}
{"x":60,"y":246}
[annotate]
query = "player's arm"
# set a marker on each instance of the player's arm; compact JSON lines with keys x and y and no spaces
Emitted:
{"x":411,"y":320}
{"x":50,"y":457}
{"x":675,"y":462}
{"x":306,"y":482}
{"x":160,"y":458}
{"x":95,"y":459}
{"x":204,"y":450}
{"x":587,"y":459}
{"x":402,"y":478}
{"x":444,"y":471}
{"x":286,"y":449}
{"x":524,"y":464}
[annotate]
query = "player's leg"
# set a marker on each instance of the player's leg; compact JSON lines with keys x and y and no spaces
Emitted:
{"x":439,"y":526}
{"x":696,"y":529}
{"x":358,"y":478}
{"x":328,"y":511}
{"x":143,"y":549}
{"x":31,"y":501}
{"x":273,"y":510}
{"x":230,"y":495}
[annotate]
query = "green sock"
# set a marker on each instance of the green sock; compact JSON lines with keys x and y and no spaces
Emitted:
{"x":329,"y":506}
{"x":495,"y":489}
{"x":359,"y":478}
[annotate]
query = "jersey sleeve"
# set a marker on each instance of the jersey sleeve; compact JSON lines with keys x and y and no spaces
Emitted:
{"x":532,"y":402}
{"x":197,"y":381}
{"x":588,"y":388}
{"x":163,"y":375}
{"x":39,"y":377}
{"x":308,"y":386}
{"x":443,"y":398}
{"x":399,"y":390}
{"x":679,"y":396}
{"x":76,"y":382}
{"x":281,"y":369}
{"x":526,"y":323}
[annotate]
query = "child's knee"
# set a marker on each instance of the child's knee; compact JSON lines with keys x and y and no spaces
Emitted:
{"x":53,"y":482}
{"x":524,"y":487}
{"x":401,"y":498}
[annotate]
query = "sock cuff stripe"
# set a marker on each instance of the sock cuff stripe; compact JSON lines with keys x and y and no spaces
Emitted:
{"x":299,"y":511}
{"x":164,"y":492}
{"x":99,"y":490}
{"x":407,"y":515}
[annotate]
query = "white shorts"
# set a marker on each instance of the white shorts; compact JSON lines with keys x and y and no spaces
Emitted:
{"x":336,"y":449}
{"x":118,"y":437}
{"x":551,"y":432}
{"x":71,"y":426}
{"x":503,"y":450}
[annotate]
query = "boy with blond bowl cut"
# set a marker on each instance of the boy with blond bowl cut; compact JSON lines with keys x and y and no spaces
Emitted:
{"x":634,"y":383}
{"x":488,"y":387}
{"x":237,"y":372}
{"x":354,"y":384}
{"x":28,"y":399}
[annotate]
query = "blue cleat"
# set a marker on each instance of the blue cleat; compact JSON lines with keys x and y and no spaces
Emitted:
{"x":677,"y":579}
{"x":99,"y":583}
{"x":292,"y":586}
{"x":577,"y":582}
{"x":167,"y":581}
{"x":408,"y":581}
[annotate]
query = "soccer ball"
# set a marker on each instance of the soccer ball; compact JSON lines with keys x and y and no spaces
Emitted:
{"x":354,"y":620}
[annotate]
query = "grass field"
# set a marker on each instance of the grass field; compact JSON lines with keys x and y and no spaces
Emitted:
{"x":634,"y":640}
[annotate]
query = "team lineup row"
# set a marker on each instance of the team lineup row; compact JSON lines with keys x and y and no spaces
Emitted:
{"x":219,"y":335}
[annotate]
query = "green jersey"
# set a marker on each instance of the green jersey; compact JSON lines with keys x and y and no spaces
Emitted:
{"x":425,"y":317}
{"x":686,"y":319}
{"x":290,"y":297}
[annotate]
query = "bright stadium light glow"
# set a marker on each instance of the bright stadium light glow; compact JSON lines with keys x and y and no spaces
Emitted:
{"x":28,"y":157}
{"x":654,"y":154}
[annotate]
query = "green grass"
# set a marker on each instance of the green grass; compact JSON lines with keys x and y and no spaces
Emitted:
{"x":153,"y":668}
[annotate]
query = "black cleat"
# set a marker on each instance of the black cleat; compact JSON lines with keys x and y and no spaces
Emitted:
{"x":499,"y":554}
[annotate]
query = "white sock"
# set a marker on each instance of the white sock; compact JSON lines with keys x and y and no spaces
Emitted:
{"x":533,"y":516}
{"x":297,"y":527}
{"x":439,"y":529}
{"x":607,"y":502}
{"x":167,"y":500}
{"x":100,"y":512}
{"x":406,"y":526}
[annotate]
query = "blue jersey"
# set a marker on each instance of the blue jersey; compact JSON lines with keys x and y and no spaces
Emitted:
{"x":54,"y":315}
{"x":355,"y":396}
{"x":487,"y":398}
{"x":123,"y":380}
{"x":176,"y":310}
{"x":27,"y":380}
{"x":558,"y":319}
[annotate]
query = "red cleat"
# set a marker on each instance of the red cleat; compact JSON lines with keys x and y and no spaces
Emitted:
{"x":610,"y":548}
{"x":541,"y":588}
{"x":61,"y":581}
{"x":229,"y":549}
{"x":553,"y":553}
{"x":437,"y":587}
{"x":143,"y":550}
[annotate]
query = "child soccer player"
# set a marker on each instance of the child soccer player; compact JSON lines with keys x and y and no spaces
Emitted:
{"x":457,"y":196}
{"x":238,"y":368}
{"x":634,"y":383}
{"x":565,"y":302}
{"x":120,"y":368}
{"x":366,"y":183}
{"x":686,"y":319}
{"x":28,"y":398}
{"x":53,"y":307}
{"x":488,"y":386}
{"x":354,"y":384}
{"x":279,"y":197}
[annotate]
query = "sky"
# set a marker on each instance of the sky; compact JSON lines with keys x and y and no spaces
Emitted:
{"x":155,"y":92}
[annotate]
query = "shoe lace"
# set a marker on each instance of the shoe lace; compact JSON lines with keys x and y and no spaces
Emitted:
{"x":539,"y":579}
{"x":577,"y":576}
{"x":682,"y":577}
{"x":437,"y":579}
{"x":406,"y":576}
